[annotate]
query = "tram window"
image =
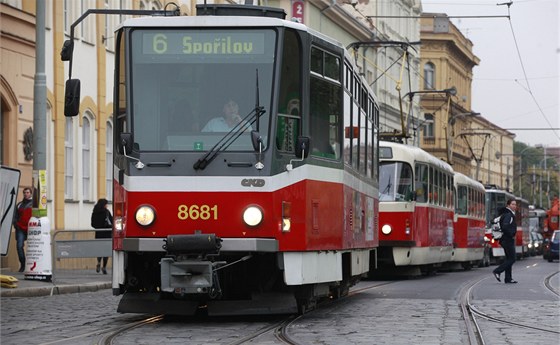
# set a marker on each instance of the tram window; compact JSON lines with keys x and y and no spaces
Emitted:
{"x":347,"y":77}
{"x":289,"y":107}
{"x":433,"y":186}
{"x":395,"y":182}
{"x":324,"y":108}
{"x":316,"y":61}
{"x":355,"y":135}
{"x":363,"y":141}
{"x":287,"y":133}
{"x":347,"y":150}
{"x":332,"y":67}
{"x":369,"y":148}
{"x":421,"y":183}
{"x":461,"y":200}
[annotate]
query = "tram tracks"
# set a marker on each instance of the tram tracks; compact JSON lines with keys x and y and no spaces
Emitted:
{"x":472,"y":314}
{"x":277,"y":329}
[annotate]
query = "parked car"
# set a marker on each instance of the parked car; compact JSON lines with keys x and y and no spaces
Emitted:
{"x":551,"y":247}
{"x":535,"y":244}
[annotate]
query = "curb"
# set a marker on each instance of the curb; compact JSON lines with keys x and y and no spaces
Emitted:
{"x":54,"y":290}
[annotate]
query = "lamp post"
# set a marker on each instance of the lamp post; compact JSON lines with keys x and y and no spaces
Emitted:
{"x":521,"y":170}
{"x":450,"y":137}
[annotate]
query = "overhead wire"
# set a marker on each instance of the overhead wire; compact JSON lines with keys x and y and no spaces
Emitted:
{"x":528,"y":89}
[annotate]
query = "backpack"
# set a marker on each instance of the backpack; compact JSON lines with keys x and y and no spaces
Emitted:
{"x":496,"y":228}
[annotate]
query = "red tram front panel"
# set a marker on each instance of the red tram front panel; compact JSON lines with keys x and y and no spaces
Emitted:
{"x":421,"y":235}
{"x":317,"y":214}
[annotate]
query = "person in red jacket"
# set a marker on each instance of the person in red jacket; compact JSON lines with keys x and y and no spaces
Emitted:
{"x":21,"y":219}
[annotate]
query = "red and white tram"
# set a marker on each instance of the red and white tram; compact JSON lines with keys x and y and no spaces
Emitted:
{"x":284,"y":203}
{"x":469,"y":221}
{"x":415,"y":208}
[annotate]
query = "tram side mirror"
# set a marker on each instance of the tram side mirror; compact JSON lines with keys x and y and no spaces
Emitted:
{"x":126,"y":143}
{"x":67,"y":50}
{"x":256,"y":140}
{"x":302,"y":147}
{"x":72,"y":98}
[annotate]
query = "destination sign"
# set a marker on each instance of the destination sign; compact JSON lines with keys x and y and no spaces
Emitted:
{"x":203,"y":43}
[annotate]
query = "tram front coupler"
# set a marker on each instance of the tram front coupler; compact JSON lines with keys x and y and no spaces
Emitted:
{"x":187,"y":268}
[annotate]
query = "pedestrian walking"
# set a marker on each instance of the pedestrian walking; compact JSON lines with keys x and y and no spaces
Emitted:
{"x":21,"y":220}
{"x":101,"y":218}
{"x":509,"y":229}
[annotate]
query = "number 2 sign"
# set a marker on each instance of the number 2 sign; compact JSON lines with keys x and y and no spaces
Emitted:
{"x":297,"y":11}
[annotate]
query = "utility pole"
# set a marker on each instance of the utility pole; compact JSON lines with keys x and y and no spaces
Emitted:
{"x":39,"y":116}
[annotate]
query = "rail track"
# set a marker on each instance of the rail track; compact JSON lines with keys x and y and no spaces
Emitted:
{"x":275,"y":329}
{"x":473,"y":315}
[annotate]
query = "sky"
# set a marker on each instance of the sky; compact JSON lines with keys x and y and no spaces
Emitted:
{"x":516,"y":84}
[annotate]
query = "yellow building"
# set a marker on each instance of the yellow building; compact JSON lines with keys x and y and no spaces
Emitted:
{"x":453,"y":131}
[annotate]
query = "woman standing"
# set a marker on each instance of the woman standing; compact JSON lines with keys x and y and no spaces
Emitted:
{"x":101,"y":218}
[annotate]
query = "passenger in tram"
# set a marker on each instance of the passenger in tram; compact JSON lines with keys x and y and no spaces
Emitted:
{"x":509,"y":228}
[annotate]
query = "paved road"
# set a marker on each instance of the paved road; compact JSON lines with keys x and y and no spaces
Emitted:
{"x":415,"y":311}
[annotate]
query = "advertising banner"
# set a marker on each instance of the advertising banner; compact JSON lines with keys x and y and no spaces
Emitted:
{"x":38,"y":257}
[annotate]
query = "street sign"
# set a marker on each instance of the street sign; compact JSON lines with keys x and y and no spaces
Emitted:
{"x":9,"y":185}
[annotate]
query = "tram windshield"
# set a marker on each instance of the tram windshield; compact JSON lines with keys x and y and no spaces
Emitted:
{"x":395,"y":182}
{"x":494,"y":202}
{"x":189,"y":87}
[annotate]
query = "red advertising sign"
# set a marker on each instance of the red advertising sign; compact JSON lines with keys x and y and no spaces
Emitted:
{"x":297,"y":11}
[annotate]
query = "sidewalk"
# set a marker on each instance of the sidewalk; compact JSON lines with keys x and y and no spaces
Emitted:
{"x":64,"y":281}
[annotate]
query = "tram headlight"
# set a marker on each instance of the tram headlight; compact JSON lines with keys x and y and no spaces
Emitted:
{"x":386,"y":229}
{"x":145,"y":215}
{"x":252,"y":216}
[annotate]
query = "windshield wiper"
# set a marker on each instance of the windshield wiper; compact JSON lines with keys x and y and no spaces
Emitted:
{"x":388,"y":189}
{"x":234,"y":133}
{"x":227,"y":140}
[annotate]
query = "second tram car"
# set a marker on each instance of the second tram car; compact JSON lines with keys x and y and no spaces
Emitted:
{"x":283,"y":203}
{"x":415,"y":209}
{"x":469,"y":222}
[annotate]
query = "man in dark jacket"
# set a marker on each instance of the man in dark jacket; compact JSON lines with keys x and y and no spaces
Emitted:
{"x":509,"y":228}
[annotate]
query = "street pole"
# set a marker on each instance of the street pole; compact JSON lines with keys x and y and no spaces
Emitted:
{"x":39,"y":116}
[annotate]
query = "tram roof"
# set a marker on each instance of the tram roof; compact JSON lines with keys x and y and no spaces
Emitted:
{"x":414,"y":154}
{"x":465,"y":180}
{"x":221,"y":21}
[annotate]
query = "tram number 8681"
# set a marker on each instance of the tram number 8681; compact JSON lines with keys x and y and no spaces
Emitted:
{"x":196,"y":212}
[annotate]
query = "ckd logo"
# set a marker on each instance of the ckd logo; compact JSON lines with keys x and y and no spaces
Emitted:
{"x":252,"y":182}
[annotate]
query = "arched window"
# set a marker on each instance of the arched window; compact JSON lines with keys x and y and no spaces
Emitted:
{"x":109,"y":160}
{"x":69,"y":158}
{"x":87,"y":155}
{"x":429,"y":76}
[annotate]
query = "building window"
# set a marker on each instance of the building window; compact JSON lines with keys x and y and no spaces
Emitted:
{"x":86,"y":25}
{"x":86,"y":158}
{"x":428,"y":126}
{"x":69,"y":159}
{"x":109,"y":161}
{"x":429,"y":76}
